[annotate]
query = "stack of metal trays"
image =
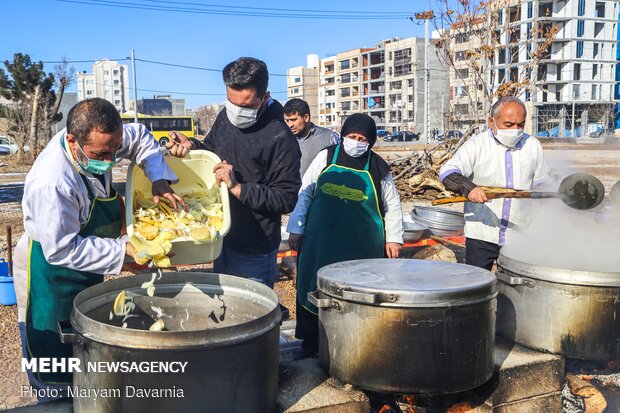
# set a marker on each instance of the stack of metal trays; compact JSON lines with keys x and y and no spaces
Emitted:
{"x":441,"y":222}
{"x":413,"y":231}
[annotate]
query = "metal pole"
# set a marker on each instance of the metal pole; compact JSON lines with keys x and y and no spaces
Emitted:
{"x":573,"y":132}
{"x":443,"y":114}
{"x":135,"y":87}
{"x":426,"y":81}
{"x":9,"y":248}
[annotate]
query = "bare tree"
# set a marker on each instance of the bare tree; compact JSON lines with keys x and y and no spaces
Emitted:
{"x":32,"y":102}
{"x":205,"y":117}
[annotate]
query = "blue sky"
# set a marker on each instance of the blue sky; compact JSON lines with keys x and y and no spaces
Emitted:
{"x":50,"y":29}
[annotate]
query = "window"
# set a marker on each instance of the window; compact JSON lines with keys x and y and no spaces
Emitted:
{"x":581,"y":9}
{"x":529,"y":10}
{"x":594,"y":71}
{"x":462,"y":38}
{"x":402,"y":70}
{"x":117,"y":102}
{"x":461,"y":109}
{"x":579,"y":51}
{"x":345,"y":92}
{"x":346,"y":78}
{"x":345,"y":106}
{"x":577,"y":71}
{"x":501,"y":75}
{"x":594,"y":95}
{"x":460,"y":56}
{"x":396,"y":85}
{"x":89,"y":92}
{"x":106,"y":72}
{"x":345,"y":64}
{"x":116,"y":83}
{"x":115,"y":72}
{"x":463,"y":73}
{"x":576,"y":90}
{"x":297,"y":80}
{"x":581,"y":24}
{"x":595,"y":50}
{"x":599,"y":11}
{"x":117,"y":92}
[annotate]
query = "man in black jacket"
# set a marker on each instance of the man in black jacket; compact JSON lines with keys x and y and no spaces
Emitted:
{"x":260,"y":165}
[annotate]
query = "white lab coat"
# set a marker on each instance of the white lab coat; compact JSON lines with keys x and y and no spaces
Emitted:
{"x":55,"y":206}
{"x":393,"y":218}
{"x":488,"y":163}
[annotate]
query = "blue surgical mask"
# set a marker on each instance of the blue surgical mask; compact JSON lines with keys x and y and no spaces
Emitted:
{"x":95,"y":166}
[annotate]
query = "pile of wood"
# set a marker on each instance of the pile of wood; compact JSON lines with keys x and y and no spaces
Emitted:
{"x":417,"y":175}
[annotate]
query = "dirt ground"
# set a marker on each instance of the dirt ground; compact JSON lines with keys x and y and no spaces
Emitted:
{"x":601,"y":160}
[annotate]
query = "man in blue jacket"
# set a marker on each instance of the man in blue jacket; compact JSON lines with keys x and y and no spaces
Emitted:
{"x":260,"y":165}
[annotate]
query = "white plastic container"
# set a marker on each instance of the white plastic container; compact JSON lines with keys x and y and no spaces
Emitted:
{"x":195,"y":173}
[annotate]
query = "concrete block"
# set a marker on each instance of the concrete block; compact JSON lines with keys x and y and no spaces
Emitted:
{"x":305,"y":388}
{"x":522,"y":373}
{"x":548,"y":403}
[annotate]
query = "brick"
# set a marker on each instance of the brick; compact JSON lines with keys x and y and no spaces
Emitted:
{"x":305,"y":388}
{"x":522,"y":373}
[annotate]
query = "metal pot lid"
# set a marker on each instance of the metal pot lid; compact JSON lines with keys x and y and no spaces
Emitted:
{"x":200,"y":310}
{"x":556,"y":275}
{"x":407,"y":283}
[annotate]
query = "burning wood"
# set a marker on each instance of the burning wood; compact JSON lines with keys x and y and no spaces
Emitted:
{"x":593,"y":399}
{"x":462,"y":407}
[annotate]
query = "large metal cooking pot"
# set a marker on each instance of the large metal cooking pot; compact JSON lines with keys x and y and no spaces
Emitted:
{"x":406,"y":326}
{"x":572,"y":313}
{"x":225,"y":328}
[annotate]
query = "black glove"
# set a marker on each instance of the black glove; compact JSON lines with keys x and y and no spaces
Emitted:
{"x":458,"y":183}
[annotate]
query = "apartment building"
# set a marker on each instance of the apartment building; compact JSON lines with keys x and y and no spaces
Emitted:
{"x":467,"y":95}
{"x":109,"y":80}
{"x":327,"y":93}
{"x":574,"y":83}
{"x":303,"y":83}
{"x":385,"y":82}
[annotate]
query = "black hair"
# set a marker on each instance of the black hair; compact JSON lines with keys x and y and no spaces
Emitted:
{"x":247,"y":72}
{"x":298,"y":106}
{"x":89,"y":115}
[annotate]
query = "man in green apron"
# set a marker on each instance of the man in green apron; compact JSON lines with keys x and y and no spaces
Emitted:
{"x":73,"y":224}
{"x":348,"y":208}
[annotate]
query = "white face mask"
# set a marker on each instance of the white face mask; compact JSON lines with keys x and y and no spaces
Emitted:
{"x":354,"y":148}
{"x":242,"y":118}
{"x":509,"y":137}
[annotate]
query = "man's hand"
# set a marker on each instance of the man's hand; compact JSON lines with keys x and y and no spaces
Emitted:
{"x":224,"y":172}
{"x":161,"y":188}
{"x":392,"y":249}
{"x":295,"y":240}
{"x":477,"y":195}
{"x":178,"y":145}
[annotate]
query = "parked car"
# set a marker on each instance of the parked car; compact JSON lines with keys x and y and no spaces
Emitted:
{"x":402,"y":136}
{"x":7,"y":147}
{"x":382,"y":133}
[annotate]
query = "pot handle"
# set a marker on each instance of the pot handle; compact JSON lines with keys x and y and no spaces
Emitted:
{"x":66,"y":338}
{"x":321,"y":302}
{"x":514,"y":281}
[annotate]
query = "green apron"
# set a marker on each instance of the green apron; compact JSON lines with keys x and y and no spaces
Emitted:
{"x":52,"y":288}
{"x":344,"y":223}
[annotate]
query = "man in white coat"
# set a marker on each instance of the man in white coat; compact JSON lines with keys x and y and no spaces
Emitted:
{"x":502,"y":156}
{"x":73,"y":222}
